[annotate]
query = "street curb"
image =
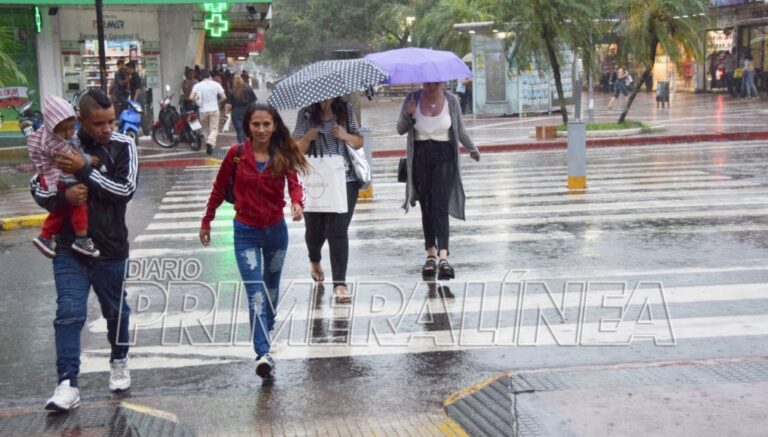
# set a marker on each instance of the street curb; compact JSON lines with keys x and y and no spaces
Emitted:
{"x":22,"y":221}
{"x":604,"y":142}
{"x":468,"y":391}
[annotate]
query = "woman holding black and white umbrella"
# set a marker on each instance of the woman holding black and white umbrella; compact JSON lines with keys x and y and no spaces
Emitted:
{"x":327,"y":127}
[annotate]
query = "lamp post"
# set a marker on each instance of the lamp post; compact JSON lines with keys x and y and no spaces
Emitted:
{"x":102,"y":49}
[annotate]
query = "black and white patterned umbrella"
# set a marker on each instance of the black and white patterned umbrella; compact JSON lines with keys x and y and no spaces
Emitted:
{"x":325,"y":80}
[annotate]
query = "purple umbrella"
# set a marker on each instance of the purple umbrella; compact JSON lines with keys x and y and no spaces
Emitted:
{"x":415,"y":65}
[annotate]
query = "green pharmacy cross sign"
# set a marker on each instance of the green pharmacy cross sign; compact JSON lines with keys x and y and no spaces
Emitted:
{"x":216,"y":23}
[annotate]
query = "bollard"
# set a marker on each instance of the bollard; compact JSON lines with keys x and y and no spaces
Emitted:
{"x":367,"y":192}
{"x":577,"y":155}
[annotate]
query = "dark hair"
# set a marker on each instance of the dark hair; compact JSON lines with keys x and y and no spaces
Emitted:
{"x":132,"y":64}
{"x":204,"y":74}
{"x":283,"y":150}
{"x":121,"y":61}
{"x":338,"y":107}
{"x":93,"y":99}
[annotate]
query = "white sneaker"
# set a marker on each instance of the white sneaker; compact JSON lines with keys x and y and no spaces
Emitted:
{"x":119,"y":375}
{"x":265,"y":367}
{"x":64,"y":398}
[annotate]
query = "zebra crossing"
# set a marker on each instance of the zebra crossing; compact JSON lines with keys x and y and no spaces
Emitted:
{"x":673,"y":237}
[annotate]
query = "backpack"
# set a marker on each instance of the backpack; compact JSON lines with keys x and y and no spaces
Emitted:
{"x":229,"y":194}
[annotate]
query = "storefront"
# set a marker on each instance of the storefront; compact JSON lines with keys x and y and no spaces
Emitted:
{"x":130,"y":35}
{"x":23,"y":86}
{"x":742,"y":28}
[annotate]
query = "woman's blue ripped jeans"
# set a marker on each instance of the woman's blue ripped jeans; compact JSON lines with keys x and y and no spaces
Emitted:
{"x":260,"y":254}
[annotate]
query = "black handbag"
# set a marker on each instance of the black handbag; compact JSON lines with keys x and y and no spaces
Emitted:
{"x":229,"y":194}
{"x":402,"y":170}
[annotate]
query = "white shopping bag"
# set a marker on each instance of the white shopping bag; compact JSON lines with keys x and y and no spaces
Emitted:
{"x":326,"y":185}
{"x":227,"y":123}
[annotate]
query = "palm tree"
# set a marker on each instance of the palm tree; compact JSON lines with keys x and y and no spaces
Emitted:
{"x":434,"y":29}
{"x":678,"y":27}
{"x":540,"y":31}
{"x":9,"y":72}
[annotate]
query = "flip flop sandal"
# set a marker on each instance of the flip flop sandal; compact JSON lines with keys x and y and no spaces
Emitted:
{"x":341,"y":297}
{"x":317,"y":275}
{"x":430,"y":267}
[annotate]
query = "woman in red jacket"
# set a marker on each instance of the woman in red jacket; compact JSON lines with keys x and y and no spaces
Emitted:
{"x":269,"y":157}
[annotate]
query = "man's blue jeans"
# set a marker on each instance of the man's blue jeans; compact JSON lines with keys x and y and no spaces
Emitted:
{"x":260,"y":254}
{"x":74,"y":276}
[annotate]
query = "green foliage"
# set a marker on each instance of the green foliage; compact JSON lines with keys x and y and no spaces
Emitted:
{"x":434,"y":29}
{"x":540,"y":30}
{"x":9,"y":72}
{"x":304,"y":31}
{"x":678,"y":27}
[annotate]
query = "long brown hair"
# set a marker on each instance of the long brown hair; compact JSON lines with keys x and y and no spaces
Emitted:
{"x":283,"y":150}
{"x":238,"y":86}
{"x":338,"y":107}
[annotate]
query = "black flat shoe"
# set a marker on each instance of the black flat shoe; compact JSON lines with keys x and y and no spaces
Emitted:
{"x":430,"y":267}
{"x":445,"y":271}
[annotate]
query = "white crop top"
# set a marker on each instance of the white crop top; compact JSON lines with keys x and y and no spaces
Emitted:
{"x":433,"y":128}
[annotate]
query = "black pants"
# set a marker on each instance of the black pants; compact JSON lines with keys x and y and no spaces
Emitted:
{"x":434,"y":173}
{"x":321,"y":226}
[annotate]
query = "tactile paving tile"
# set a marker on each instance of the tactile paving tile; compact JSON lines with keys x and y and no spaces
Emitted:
{"x":107,"y":422}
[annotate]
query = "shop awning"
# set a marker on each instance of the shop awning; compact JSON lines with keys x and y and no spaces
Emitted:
{"x":131,"y":2}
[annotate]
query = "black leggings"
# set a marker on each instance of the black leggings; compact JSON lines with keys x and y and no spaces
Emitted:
{"x":321,"y":226}
{"x":434,"y":173}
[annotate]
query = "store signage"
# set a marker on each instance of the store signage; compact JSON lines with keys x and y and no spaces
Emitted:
{"x":255,"y":45}
{"x":118,"y":25}
{"x":215,"y":23}
{"x":13,"y":96}
{"x":38,"y":20}
{"x":111,"y":24}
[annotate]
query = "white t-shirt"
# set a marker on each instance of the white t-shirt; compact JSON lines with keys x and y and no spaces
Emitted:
{"x":208,"y":92}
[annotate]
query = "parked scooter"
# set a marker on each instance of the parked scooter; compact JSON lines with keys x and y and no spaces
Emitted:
{"x":171,"y":128}
{"x":129,"y":121}
{"x":29,"y":119}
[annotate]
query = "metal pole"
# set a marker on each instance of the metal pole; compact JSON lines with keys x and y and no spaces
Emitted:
{"x":102,"y":48}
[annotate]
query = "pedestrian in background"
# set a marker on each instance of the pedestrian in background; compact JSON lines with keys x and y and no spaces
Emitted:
{"x":327,"y":127}
{"x":729,"y":68}
{"x":432,"y":119}
{"x":240,"y":98}
{"x":107,"y":191}
{"x":619,"y":86}
{"x":208,"y":94}
{"x":748,"y":88}
{"x":185,"y":100}
{"x":268,"y":159}
{"x":121,"y":85}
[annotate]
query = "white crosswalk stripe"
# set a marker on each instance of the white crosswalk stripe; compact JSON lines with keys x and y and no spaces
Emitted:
{"x":657,"y":214}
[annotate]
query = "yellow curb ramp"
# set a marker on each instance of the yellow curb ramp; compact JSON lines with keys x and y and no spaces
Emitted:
{"x":468,"y":391}
{"x":23,"y":221}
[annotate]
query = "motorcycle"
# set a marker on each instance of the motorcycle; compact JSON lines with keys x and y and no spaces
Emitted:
{"x":171,"y":128}
{"x":129,"y":122}
{"x":29,"y":119}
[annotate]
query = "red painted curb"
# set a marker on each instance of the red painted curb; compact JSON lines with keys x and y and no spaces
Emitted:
{"x":173,"y":163}
{"x":604,"y":142}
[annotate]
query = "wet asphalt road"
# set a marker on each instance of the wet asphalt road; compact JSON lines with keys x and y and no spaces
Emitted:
{"x":692,"y":217}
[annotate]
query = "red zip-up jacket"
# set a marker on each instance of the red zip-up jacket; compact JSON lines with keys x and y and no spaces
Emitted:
{"x":259,"y":197}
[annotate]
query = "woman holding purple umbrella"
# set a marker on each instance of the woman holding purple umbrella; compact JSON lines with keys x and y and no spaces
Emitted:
{"x":431,"y":117}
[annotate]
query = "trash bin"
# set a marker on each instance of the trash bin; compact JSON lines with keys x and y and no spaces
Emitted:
{"x":662,"y":94}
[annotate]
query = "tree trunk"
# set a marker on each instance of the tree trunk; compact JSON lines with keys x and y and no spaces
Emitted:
{"x":646,"y":73}
{"x":556,"y":72}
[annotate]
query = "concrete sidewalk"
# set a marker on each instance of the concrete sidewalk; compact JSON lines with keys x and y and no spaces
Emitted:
{"x":702,"y":398}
